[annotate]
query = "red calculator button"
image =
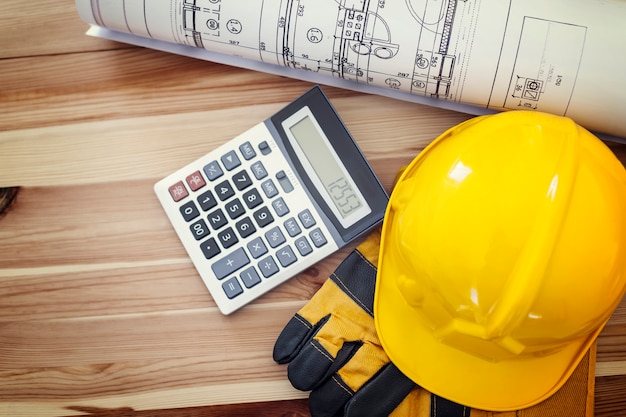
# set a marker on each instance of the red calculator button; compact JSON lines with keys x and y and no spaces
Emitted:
{"x":196,"y":181}
{"x":178,"y":191}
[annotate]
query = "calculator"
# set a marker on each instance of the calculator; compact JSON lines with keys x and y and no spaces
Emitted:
{"x":273,"y":201}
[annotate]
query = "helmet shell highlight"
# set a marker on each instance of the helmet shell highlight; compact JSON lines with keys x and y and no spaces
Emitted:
{"x":503,"y":255}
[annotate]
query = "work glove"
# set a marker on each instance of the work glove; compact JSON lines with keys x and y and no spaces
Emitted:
{"x":333,"y":350}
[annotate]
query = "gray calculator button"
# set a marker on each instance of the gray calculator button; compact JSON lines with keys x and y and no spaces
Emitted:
{"x":286,"y":256}
{"x":230,"y":263}
{"x":242,"y":180}
{"x":250,"y":277}
{"x":275,"y":237}
{"x":280,"y":207}
{"x":245,"y":227}
{"x":235,"y":208}
{"x":269,"y":188}
{"x":252,"y":198}
{"x":199,"y":229}
{"x":213,"y":170}
{"x":317,"y":237}
{"x":258,"y":170}
{"x":189,"y":211}
{"x":224,"y":190}
{"x":306,"y":218}
{"x":227,"y":237}
{"x":256,"y":247}
{"x":268,"y":266}
{"x":284,"y":182}
{"x":230,"y":160}
{"x":247,"y":151}
{"x":264,"y":147}
{"x":303,"y":246}
{"x":217,"y":219}
{"x":291,"y":225}
{"x":210,"y":248}
{"x":263,"y":216}
{"x":232,"y":288}
{"x":207,"y":201}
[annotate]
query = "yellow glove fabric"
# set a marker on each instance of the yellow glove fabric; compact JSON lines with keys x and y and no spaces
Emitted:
{"x":331,"y":344}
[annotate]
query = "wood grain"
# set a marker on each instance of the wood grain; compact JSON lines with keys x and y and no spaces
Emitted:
{"x":117,"y":149}
{"x":101,"y":311}
{"x":45,"y":28}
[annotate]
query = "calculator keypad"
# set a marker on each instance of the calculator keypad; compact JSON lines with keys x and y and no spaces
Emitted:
{"x":238,"y":213}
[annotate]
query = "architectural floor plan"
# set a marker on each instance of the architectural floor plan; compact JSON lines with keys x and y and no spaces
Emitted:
{"x":490,"y":54}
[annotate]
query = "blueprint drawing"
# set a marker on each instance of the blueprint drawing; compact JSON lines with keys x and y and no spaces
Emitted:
{"x":562,"y":57}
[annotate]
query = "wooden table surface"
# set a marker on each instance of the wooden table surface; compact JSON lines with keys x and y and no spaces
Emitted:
{"x":101,"y":311}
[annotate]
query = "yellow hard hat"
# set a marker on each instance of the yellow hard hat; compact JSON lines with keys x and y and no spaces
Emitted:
{"x":503,"y":255}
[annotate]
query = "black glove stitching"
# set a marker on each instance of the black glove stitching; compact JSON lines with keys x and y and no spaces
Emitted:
{"x":303,"y":321}
{"x":447,"y":408}
{"x":365,"y":259}
{"x":317,"y":346}
{"x":340,"y":382}
{"x":381,"y":394}
{"x":352,"y":295}
{"x":356,"y":278}
{"x":292,"y":340}
{"x":343,"y":356}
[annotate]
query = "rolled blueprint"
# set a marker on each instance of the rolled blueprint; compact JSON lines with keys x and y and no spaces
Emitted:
{"x":565,"y":57}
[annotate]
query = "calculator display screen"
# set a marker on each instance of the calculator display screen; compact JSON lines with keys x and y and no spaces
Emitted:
{"x":340,"y":190}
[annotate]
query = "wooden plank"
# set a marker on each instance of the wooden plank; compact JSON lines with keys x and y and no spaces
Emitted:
{"x":148,"y":403}
{"x":609,"y":398}
{"x":40,"y":91}
{"x":153,"y":146}
{"x":45,"y":28}
{"x":151,"y":351}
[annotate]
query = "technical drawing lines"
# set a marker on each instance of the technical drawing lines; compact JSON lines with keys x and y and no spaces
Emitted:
{"x":426,"y":25}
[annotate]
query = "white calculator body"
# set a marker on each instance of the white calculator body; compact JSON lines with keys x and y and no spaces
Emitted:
{"x":273,"y":201}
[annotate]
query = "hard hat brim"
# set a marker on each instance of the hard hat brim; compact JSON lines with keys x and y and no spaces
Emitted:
{"x":461,"y":377}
